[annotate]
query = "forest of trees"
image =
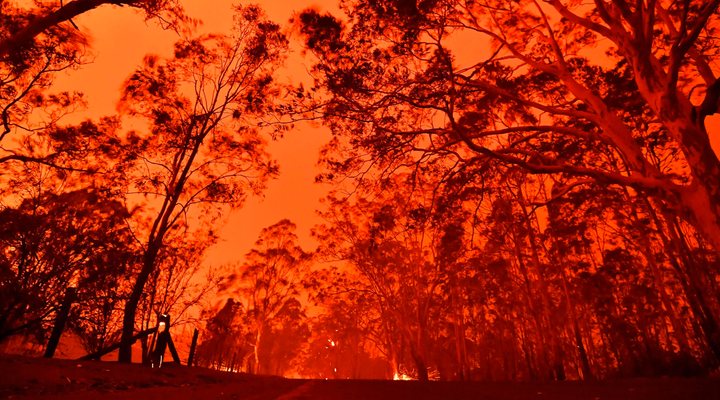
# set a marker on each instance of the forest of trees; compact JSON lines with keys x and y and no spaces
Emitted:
{"x":518,"y":190}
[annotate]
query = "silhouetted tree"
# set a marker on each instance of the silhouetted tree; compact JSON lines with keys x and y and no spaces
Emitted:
{"x":285,"y":339}
{"x":227,"y":337}
{"x":27,"y":110}
{"x":269,"y":283}
{"x":399,"y":244}
{"x":202,"y":150}
{"x":571,"y":165}
{"x":54,"y":241}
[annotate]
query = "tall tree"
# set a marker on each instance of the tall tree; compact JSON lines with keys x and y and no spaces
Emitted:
{"x":536,"y":278}
{"x":269,"y":283}
{"x":202,"y":150}
{"x":285,"y":339}
{"x":227,"y":337}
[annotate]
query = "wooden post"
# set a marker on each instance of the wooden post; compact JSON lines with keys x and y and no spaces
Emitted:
{"x":164,"y":341}
{"x":60,"y":321}
{"x":163,"y":336}
{"x":173,"y":350}
{"x":193,"y":345}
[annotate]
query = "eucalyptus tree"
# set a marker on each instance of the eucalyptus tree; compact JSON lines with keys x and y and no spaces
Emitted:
{"x":202,"y":150}
{"x":402,"y":245}
{"x":269,"y":284}
{"x":227,"y":339}
{"x":38,"y":40}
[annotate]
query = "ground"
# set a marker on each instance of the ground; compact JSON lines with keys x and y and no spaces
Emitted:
{"x":36,"y":378}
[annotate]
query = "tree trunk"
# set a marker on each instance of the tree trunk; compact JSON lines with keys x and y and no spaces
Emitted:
{"x":686,"y":268}
{"x":459,"y":331}
{"x":528,"y":354}
{"x":419,"y":364}
{"x":529,"y":295}
{"x":582,"y":353}
{"x":553,"y":335}
{"x":258,"y":338}
{"x":700,"y":200}
{"x":128,"y":327}
{"x":60,"y":321}
{"x":667,"y":308}
{"x":393,"y":358}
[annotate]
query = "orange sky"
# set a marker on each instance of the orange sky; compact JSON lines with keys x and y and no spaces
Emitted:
{"x":120,"y":38}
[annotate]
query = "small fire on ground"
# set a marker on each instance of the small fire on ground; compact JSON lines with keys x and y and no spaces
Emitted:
{"x":401,"y":377}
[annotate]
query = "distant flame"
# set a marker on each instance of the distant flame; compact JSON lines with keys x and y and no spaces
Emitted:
{"x":401,"y":377}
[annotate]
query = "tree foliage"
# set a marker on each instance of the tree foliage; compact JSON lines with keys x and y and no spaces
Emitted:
{"x":537,"y":95}
{"x":268,"y":284}
{"x":53,"y":241}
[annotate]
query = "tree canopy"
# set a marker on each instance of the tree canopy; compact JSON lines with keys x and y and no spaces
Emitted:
{"x":614,"y":93}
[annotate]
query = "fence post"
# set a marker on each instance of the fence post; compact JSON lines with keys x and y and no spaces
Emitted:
{"x":161,"y":342}
{"x":60,"y":321}
{"x":193,"y":345}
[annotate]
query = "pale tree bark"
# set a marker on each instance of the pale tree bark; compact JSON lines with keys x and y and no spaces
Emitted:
{"x":554,"y":331}
{"x":688,"y":270}
{"x":666,"y":305}
{"x":633,"y":34}
{"x":456,"y":310}
{"x":256,"y":349}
